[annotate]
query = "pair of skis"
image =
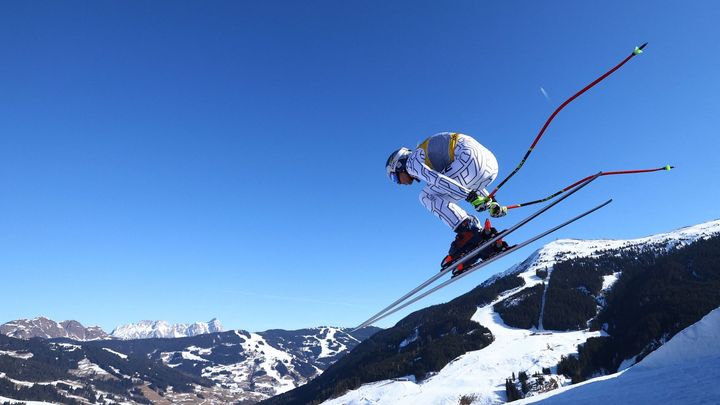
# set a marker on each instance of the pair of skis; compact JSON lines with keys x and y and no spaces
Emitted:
{"x":402,"y":303}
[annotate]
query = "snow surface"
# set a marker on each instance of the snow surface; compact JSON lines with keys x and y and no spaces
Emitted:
{"x":86,"y":368}
{"x":325,"y":343}
{"x":16,"y":354}
{"x":683,"y":371}
{"x":32,"y":384}
{"x":15,"y":401}
{"x":69,"y":347}
{"x":17,"y":382}
{"x":480,"y":375}
{"x":271,"y":356}
{"x":122,"y":356}
{"x":190,"y":356}
{"x":200,"y":350}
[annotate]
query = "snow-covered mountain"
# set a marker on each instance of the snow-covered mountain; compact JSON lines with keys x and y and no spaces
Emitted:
{"x":162,"y":329}
{"x":222,"y":367}
{"x":47,"y":329}
{"x":564,"y":249}
{"x":527,"y":358}
{"x":257,"y":366}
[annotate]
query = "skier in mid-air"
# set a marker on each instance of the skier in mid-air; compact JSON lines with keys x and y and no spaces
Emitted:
{"x":455,"y":167}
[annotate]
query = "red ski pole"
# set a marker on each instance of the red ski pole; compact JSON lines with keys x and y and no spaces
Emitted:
{"x":636,"y":51}
{"x":550,"y":197}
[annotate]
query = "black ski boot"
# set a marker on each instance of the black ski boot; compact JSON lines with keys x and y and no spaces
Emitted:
{"x":470,"y":236}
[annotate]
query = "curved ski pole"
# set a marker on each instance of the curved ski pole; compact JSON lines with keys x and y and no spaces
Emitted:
{"x":492,"y":259}
{"x":550,"y":197}
{"x":636,"y":51}
{"x":477,"y":250}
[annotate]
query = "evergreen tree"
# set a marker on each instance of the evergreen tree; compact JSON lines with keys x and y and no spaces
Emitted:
{"x":511,"y":391}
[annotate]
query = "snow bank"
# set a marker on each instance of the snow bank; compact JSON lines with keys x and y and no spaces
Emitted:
{"x":684,"y":371}
{"x":698,"y":342}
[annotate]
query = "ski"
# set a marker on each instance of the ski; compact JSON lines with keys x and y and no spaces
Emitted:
{"x":475,"y":251}
{"x":482,"y":264}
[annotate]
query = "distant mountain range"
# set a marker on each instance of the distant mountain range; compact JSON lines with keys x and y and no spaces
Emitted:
{"x":162,"y":329}
{"x":48,"y":329}
{"x":182,"y":358}
{"x":220,"y":367}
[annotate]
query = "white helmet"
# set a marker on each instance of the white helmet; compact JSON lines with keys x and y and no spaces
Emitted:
{"x":396,"y":163}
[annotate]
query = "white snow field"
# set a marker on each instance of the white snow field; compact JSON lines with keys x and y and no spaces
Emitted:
{"x":15,"y":401}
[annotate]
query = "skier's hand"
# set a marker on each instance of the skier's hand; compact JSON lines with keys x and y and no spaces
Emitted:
{"x":496,"y":210}
{"x":478,"y":202}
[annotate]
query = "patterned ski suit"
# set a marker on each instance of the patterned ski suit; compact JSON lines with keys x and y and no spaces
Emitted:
{"x":452,"y":165}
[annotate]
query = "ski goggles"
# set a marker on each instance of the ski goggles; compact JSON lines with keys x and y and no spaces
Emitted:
{"x":394,"y":178}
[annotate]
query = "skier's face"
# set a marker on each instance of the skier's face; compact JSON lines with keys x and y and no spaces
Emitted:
{"x":405,"y":178}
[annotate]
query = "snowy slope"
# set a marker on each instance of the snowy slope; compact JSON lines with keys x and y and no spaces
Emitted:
{"x":271,"y":363}
{"x":684,"y":371}
{"x":14,"y":401}
{"x":479,"y":376}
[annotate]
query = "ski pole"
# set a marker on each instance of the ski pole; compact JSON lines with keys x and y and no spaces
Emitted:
{"x":550,"y":197}
{"x":636,"y":51}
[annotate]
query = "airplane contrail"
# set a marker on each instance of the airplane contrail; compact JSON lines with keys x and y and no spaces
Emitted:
{"x":545,"y":93}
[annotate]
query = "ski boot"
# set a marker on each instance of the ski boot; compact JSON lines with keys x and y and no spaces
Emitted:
{"x":470,"y":236}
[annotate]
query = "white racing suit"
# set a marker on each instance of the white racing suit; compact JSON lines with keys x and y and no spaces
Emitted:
{"x":452,"y":165}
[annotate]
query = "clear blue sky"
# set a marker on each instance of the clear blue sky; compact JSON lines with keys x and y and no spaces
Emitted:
{"x":189,"y":160}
